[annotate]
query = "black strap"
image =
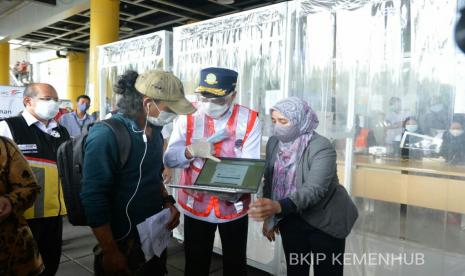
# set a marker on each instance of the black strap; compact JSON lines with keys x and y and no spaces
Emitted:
{"x":77,"y":121}
{"x":123,"y":139}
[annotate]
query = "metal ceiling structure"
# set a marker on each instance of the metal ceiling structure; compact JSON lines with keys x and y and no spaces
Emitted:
{"x":137,"y":17}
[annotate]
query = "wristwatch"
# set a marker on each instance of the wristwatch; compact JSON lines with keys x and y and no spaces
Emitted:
{"x":169,"y":199}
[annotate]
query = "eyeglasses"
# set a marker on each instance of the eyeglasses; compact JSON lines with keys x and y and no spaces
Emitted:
{"x":48,"y":99}
{"x":219,"y":101}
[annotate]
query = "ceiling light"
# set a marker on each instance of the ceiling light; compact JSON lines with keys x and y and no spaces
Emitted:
{"x":14,"y":41}
{"x":224,"y":2}
{"x":125,"y":28}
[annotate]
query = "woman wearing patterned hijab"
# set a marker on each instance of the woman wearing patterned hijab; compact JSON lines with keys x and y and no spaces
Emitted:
{"x":302,"y":199}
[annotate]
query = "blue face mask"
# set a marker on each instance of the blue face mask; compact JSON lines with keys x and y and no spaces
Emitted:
{"x":436,"y":107}
{"x":83,"y":107}
{"x":411,"y":128}
{"x":285,"y":133}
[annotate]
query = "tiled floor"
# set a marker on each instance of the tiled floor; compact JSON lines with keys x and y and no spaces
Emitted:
{"x":77,"y":258}
{"x":442,"y":247}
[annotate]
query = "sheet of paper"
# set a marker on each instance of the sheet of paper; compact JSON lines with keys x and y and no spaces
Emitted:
{"x":229,"y":174}
{"x":154,"y":235}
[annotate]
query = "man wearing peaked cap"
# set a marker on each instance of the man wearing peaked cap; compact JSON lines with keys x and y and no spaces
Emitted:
{"x":118,"y":198}
{"x":164,"y":86}
{"x":219,"y":128}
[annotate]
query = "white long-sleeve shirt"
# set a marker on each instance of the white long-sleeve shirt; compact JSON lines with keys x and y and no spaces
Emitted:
{"x":175,"y":153}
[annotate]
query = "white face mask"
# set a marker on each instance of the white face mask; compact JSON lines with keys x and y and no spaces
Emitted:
{"x":46,"y":110}
{"x":163,"y":118}
{"x":411,"y":128}
{"x":214,"y":110}
{"x":456,"y":132}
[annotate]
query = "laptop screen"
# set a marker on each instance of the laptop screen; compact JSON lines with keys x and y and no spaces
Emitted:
{"x":232,"y":173}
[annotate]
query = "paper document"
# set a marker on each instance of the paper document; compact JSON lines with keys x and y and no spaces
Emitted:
{"x":229,"y":174}
{"x":154,"y":236}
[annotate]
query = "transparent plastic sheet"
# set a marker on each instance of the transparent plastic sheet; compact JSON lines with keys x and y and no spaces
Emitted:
{"x":385,"y":49}
{"x":148,"y":52}
{"x":311,"y":63}
{"x":253,"y":44}
{"x":317,"y":6}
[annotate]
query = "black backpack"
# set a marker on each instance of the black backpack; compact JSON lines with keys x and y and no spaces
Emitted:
{"x":69,"y":162}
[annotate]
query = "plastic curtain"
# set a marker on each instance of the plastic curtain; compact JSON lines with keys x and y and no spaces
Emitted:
{"x":252,"y":43}
{"x":384,"y":50}
{"x":148,"y":52}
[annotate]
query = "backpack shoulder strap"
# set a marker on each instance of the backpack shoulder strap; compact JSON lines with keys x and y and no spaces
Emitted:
{"x":123,"y":138}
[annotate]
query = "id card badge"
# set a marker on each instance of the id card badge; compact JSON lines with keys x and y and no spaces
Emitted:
{"x":239,"y":206}
{"x":190,"y":201}
{"x":28,"y":148}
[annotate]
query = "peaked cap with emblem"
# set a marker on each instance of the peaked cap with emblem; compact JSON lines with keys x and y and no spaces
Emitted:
{"x":166,"y":87}
{"x":216,"y":82}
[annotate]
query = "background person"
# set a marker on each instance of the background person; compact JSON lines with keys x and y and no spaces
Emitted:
{"x":78,"y":120}
{"x":453,"y":141}
{"x":302,"y":197}
{"x":410,"y":124}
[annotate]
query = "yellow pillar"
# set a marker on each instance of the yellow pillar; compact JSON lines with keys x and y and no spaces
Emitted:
{"x":76,"y":76}
{"x":104,"y":28}
{"x":4,"y":63}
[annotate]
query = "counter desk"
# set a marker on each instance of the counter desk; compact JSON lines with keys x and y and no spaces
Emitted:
{"x":428,"y":183}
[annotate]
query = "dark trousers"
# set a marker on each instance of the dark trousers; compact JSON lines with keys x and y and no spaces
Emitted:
{"x":199,"y":237}
{"x":301,"y":242}
{"x":131,"y":249}
{"x":48,"y":234}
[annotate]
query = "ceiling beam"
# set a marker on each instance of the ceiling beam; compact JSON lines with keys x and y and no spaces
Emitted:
{"x":34,"y":16}
{"x":160,"y":9}
{"x":129,"y":20}
{"x":153,"y":27}
{"x":168,"y":3}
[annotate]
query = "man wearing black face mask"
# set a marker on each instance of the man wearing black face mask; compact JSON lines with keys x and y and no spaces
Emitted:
{"x":38,"y":137}
{"x":76,"y":121}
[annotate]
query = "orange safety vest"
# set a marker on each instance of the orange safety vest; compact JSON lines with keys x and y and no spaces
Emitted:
{"x":361,"y":141}
{"x":239,"y":126}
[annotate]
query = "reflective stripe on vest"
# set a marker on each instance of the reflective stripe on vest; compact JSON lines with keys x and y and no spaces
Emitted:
{"x":201,"y":127}
{"x":47,"y":203}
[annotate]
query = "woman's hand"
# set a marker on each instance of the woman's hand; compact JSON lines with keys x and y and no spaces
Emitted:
{"x":270,"y":234}
{"x":264,"y":208}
